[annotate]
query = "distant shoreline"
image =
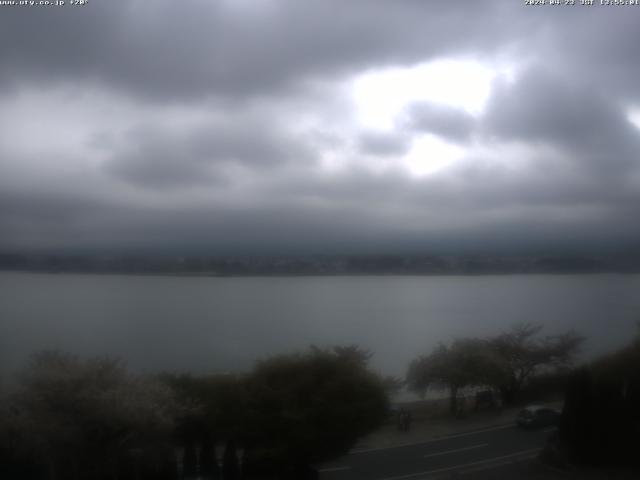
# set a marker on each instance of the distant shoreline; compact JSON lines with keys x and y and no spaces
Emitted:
{"x":320,"y":265}
{"x":316,"y":275}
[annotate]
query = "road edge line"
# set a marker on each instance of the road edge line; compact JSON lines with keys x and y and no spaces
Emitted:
{"x":525,"y":453}
{"x":436,"y":439}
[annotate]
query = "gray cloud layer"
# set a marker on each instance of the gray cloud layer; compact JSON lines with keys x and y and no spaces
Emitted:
{"x":233,"y":49}
{"x":228,"y":125}
{"x":451,"y":123}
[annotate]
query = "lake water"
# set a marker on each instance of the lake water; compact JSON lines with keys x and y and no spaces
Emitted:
{"x":224,"y":324}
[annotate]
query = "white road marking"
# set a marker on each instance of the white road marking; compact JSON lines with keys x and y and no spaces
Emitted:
{"x":422,"y":442}
{"x":530,"y":451}
{"x":333,"y":469}
{"x":446,"y":452}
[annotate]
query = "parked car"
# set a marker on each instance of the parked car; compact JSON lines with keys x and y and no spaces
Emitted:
{"x":535,"y":416}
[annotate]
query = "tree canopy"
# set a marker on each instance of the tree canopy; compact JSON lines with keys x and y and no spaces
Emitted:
{"x":505,"y":362}
{"x":600,"y":421}
{"x":85,"y":418}
{"x":289,"y":412}
{"x":313,"y":406}
{"x":464,"y":363}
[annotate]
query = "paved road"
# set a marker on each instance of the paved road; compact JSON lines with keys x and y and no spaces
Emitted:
{"x":467,"y":452}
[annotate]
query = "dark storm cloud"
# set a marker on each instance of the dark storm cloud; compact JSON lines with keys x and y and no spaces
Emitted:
{"x":451,"y":123}
{"x":52,"y":219}
{"x":155,"y":161}
{"x":57,"y":208}
{"x":157,"y":157}
{"x":55,"y":221}
{"x":593,"y":131}
{"x":232,"y":49}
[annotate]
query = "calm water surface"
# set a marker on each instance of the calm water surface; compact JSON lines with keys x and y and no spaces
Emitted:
{"x":225,"y":324}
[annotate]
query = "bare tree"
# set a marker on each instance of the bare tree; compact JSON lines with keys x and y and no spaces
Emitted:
{"x":522,"y":353}
{"x":505,"y":362}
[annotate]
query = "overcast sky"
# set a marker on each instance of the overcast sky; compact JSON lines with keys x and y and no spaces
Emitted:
{"x":319,"y":126}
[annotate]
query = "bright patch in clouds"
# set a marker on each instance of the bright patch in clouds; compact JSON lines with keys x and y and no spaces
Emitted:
{"x":633,"y":115}
{"x":430,"y":154}
{"x":381,"y":95}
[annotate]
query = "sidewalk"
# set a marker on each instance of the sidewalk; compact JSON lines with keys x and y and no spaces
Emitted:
{"x":425,"y":429}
